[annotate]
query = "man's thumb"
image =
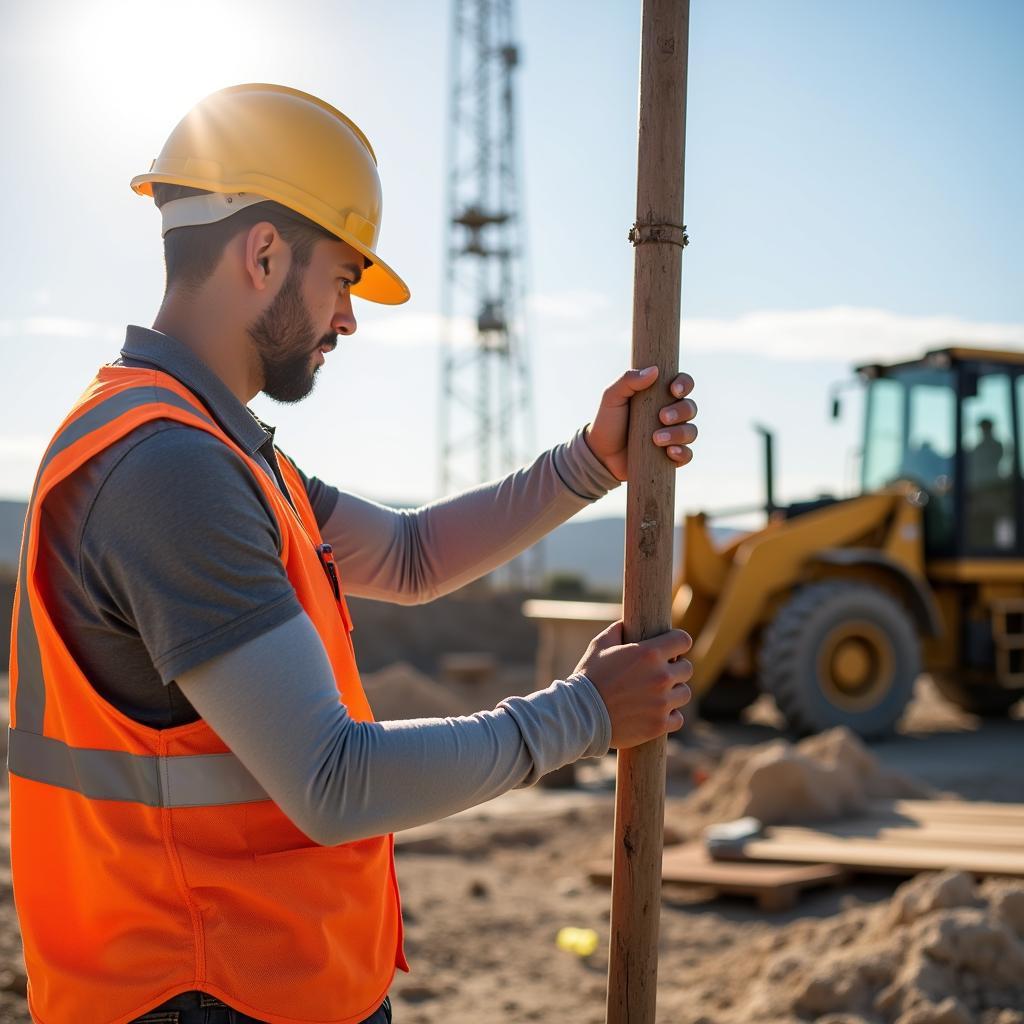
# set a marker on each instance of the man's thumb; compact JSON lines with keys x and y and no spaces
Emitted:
{"x":639,"y":380}
{"x":629,"y":384}
{"x":610,"y":636}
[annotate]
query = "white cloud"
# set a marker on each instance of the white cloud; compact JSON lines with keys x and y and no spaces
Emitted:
{"x":842,"y":332}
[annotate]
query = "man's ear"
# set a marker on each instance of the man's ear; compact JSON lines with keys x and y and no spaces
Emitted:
{"x":262,"y":254}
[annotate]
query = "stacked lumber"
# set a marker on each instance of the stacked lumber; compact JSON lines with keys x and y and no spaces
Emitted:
{"x":894,"y":837}
{"x":775,"y":864}
{"x":774,"y":886}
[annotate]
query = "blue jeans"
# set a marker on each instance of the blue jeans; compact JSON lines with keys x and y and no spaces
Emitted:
{"x":202,"y":1008}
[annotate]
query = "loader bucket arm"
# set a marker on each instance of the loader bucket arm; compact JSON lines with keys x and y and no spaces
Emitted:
{"x":724,"y":598}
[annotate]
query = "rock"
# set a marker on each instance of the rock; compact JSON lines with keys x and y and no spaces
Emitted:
{"x":1008,"y":906}
{"x":967,"y":940}
{"x":927,"y":893}
{"x":820,"y":778}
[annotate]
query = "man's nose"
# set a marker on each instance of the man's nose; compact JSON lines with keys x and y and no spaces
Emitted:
{"x":344,"y":321}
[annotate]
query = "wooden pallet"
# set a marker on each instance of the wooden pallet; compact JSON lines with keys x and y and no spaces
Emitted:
{"x":774,"y":886}
{"x":897,"y":837}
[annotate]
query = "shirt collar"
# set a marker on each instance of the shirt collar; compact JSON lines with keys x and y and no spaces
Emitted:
{"x":163,"y":352}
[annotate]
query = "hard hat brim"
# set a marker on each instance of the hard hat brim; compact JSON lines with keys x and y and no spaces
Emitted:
{"x":379,"y":283}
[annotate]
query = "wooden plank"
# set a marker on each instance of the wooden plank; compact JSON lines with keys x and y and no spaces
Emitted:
{"x":929,"y":834}
{"x":948,"y":810}
{"x":867,"y":855}
{"x":960,"y":808}
{"x":773,"y":885}
{"x":572,"y":611}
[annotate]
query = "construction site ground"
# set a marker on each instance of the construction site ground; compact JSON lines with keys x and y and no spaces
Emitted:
{"x":487,"y":891}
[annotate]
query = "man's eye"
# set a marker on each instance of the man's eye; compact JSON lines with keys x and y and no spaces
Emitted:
{"x":344,"y":284}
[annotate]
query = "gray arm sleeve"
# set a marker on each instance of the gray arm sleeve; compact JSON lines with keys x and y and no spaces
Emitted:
{"x":412,"y":556}
{"x":274,"y":703}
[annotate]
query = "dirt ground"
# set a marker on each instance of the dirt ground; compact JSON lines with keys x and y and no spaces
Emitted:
{"x":486,"y":892}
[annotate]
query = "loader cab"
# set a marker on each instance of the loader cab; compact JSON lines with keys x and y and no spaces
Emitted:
{"x":952,"y":424}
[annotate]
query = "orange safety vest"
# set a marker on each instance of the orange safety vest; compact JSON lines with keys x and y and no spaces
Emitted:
{"x":148,"y":862}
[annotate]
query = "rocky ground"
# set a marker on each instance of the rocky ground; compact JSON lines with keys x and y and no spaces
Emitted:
{"x":487,"y":891}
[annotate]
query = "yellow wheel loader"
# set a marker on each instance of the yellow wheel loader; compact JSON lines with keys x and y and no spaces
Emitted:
{"x":837,"y":605}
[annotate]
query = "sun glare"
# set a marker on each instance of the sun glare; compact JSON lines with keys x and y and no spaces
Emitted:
{"x":128,"y":62}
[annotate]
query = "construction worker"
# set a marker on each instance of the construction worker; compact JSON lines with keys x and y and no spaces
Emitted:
{"x":202,"y":805}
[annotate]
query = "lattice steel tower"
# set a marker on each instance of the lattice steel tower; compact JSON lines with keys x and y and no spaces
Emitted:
{"x":486,"y":410}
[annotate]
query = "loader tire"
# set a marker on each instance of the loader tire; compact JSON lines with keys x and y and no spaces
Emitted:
{"x":977,"y":695}
{"x":728,"y":699}
{"x":840,"y":653}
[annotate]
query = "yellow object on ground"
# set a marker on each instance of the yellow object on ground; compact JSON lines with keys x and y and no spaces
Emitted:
{"x":581,"y":941}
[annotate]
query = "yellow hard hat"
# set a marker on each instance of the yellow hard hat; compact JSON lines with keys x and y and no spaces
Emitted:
{"x":250,"y":143}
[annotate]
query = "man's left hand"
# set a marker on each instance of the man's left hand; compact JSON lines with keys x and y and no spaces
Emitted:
{"x":607,"y":434}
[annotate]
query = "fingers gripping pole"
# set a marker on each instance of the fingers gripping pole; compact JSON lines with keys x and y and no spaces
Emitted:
{"x":659,"y":236}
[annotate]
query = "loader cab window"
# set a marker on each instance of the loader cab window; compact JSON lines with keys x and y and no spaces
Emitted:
{"x":883,"y":443}
{"x":910,"y":434}
{"x":989,"y":463}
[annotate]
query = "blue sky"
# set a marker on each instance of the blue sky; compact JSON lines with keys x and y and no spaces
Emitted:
{"x":853,"y":191}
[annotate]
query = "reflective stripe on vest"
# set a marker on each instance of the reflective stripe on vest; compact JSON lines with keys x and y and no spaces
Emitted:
{"x":200,"y":780}
{"x":193,"y":780}
{"x":30,"y":700}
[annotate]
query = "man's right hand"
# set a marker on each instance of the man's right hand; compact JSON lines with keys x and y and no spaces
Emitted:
{"x":643,"y":685}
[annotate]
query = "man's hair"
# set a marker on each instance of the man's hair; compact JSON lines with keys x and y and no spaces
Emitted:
{"x":192,"y":253}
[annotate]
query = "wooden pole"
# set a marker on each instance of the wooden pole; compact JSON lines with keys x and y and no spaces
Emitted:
{"x":659,"y":237}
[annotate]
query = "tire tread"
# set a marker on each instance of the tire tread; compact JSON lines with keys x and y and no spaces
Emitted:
{"x":778,"y":668}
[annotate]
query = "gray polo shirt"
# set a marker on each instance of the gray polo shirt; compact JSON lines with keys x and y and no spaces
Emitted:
{"x":162,"y":554}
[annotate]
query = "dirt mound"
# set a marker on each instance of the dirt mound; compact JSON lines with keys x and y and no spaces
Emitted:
{"x":820,"y":778}
{"x":941,"y":951}
{"x":401,"y":691}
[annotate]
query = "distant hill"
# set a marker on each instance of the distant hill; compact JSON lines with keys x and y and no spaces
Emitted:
{"x":593,"y":550}
{"x":590,"y":549}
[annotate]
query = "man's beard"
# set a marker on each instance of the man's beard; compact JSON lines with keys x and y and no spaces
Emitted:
{"x":285,"y":342}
